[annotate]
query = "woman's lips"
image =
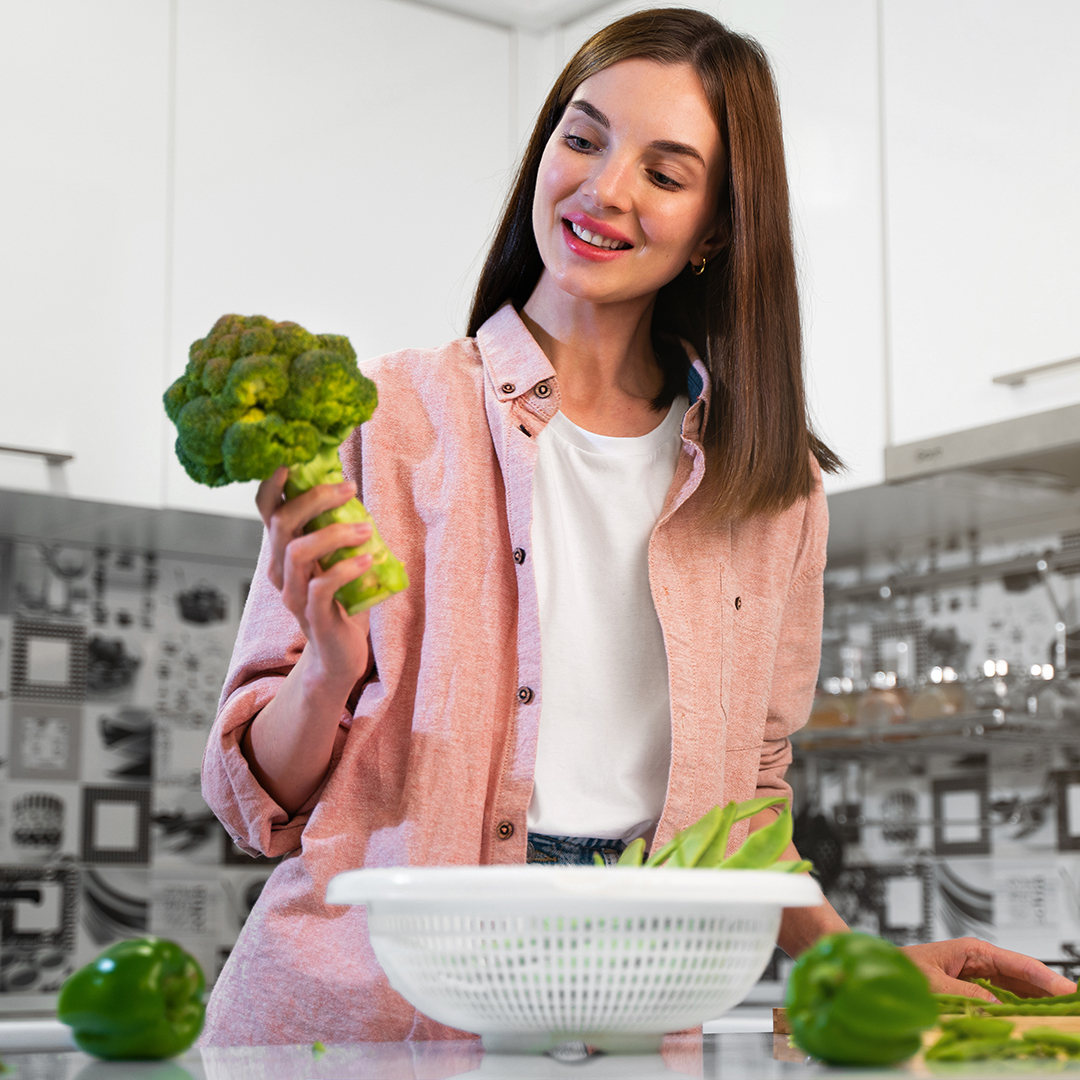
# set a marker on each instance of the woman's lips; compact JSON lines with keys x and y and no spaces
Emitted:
{"x":582,"y":247}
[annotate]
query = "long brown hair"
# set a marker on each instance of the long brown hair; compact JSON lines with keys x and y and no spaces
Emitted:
{"x":742,"y":314}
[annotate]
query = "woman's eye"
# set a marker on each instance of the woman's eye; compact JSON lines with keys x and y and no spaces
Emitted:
{"x":665,"y":181}
{"x":578,"y":143}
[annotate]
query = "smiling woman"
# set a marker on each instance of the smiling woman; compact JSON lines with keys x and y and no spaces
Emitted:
{"x":608,"y":498}
{"x":698,"y":107}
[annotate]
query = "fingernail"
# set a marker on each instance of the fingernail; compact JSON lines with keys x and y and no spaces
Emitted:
{"x":347,"y":485}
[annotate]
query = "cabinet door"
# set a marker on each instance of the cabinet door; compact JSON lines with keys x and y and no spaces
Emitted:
{"x":337,"y":164}
{"x":982,"y":123}
{"x":83,"y":108}
{"x":824,"y":55}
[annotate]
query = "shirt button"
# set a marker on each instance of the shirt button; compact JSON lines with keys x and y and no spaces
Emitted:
{"x":543,"y":390}
{"x":738,"y":602}
{"x":519,"y":555}
{"x":525,"y":695}
{"x":508,"y":387}
{"x":505,"y":830}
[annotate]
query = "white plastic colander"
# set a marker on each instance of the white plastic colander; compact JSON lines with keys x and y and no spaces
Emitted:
{"x":531,"y":956}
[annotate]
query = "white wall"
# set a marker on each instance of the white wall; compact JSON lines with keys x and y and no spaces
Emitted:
{"x":342,"y":162}
{"x":83,"y":132}
{"x":983,"y":132}
{"x":339,"y":163}
{"x":336,"y":162}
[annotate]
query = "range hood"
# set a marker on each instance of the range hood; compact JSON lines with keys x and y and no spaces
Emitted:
{"x":1042,"y":449}
{"x":1016,"y":478}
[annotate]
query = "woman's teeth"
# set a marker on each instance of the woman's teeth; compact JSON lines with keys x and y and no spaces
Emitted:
{"x":596,"y":240}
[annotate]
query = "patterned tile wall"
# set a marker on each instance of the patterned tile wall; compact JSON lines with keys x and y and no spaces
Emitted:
{"x":962,"y":819}
{"x":111,"y":663}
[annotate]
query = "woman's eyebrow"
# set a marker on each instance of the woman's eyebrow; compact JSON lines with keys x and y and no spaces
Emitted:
{"x":592,"y":111}
{"x":665,"y":146}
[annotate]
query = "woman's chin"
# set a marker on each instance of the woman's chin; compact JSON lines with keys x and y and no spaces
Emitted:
{"x":593,"y":287}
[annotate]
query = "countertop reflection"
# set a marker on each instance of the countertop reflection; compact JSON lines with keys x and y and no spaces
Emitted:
{"x":727,"y":1055}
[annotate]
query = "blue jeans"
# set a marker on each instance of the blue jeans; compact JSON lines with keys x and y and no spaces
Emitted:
{"x":571,"y":850}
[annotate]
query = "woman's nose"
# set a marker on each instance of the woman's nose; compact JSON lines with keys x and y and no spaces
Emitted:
{"x":609,"y":185}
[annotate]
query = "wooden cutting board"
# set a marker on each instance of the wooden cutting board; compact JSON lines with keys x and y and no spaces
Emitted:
{"x":1071,"y":1024}
{"x":782,"y":1051}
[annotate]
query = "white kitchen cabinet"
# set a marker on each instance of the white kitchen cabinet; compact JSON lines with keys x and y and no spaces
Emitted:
{"x":982,"y":122}
{"x":824,"y":55}
{"x":83,"y":110}
{"x":339,"y":163}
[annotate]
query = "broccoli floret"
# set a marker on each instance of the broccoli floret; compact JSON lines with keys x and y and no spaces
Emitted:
{"x":327,"y":390}
{"x":256,"y":395}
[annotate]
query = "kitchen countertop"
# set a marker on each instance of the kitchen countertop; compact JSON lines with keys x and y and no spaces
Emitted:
{"x":730,"y":1055}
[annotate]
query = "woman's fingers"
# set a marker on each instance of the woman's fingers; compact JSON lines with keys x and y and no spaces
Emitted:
{"x":1023,"y":975}
{"x":948,"y":964}
{"x":322,"y":609}
{"x":293,"y":514}
{"x":271,"y":492}
{"x":300,"y":562}
{"x":322,"y":542}
{"x":286,"y":520}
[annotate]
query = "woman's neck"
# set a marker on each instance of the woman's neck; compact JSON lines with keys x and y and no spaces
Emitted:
{"x":603,"y":358}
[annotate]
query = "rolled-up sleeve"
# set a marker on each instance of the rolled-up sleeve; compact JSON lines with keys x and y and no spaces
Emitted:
{"x":268,"y":644}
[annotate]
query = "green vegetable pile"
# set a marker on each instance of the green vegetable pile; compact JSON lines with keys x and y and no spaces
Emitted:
{"x":140,"y":999}
{"x":257,"y":395}
{"x":1010,"y":1004}
{"x":854,"y":999}
{"x":986,"y":1038}
{"x":704,"y":844}
{"x":978,"y":1034}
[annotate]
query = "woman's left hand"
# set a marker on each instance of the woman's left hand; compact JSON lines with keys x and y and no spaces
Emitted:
{"x":947,"y":963}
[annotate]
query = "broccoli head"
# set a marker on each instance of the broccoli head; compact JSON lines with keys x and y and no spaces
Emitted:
{"x":258,"y":394}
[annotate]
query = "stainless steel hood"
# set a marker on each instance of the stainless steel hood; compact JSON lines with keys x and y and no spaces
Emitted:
{"x":1042,"y":449}
{"x":1014,"y":479}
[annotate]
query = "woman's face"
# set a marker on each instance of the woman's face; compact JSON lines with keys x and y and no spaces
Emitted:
{"x":628,"y":187}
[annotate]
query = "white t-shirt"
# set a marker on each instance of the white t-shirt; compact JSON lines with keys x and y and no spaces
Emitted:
{"x":604,"y":746}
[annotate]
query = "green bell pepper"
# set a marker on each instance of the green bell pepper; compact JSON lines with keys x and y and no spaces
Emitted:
{"x":854,"y":999}
{"x":140,"y":999}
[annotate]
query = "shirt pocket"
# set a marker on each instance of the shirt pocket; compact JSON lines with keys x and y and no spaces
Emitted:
{"x":753,"y":625}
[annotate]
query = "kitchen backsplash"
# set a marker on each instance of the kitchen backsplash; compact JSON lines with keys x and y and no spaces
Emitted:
{"x":937,"y":785}
{"x":111,"y":663}
{"x":938,"y":782}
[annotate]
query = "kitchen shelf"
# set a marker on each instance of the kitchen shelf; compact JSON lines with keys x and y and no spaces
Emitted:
{"x":970,"y":733}
{"x":1067,"y":562}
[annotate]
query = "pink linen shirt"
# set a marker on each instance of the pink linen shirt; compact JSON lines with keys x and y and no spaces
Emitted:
{"x":434,"y":757}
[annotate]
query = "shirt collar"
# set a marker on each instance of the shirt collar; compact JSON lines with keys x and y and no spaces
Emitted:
{"x":514,"y":362}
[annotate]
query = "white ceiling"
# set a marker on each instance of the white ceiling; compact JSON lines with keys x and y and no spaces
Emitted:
{"x":534,"y":15}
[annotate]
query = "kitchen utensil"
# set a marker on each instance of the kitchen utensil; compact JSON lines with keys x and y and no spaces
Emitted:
{"x":530,"y":957}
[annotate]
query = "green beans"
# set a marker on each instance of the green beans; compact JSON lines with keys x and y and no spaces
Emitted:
{"x":634,"y":855}
{"x":704,"y":844}
{"x":1010,"y":1004}
{"x":1007,"y":997}
{"x":982,"y":1038}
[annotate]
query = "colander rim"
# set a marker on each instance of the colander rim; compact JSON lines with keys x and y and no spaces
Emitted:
{"x":527,"y":885}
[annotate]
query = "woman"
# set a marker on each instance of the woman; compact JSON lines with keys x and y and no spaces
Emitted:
{"x":611,"y":481}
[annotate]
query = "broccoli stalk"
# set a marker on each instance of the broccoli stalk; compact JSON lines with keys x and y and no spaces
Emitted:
{"x":386,"y":576}
{"x":257,"y":395}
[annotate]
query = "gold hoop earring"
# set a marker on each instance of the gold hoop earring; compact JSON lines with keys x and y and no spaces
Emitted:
{"x":699,"y":270}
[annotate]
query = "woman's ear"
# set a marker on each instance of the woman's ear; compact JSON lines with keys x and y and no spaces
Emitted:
{"x":712,"y":244}
{"x":716,"y":241}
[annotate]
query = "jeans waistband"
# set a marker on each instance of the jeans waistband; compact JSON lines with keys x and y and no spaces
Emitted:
{"x":571,"y":850}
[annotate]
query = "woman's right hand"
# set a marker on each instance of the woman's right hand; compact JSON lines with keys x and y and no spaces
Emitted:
{"x":337,"y":649}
